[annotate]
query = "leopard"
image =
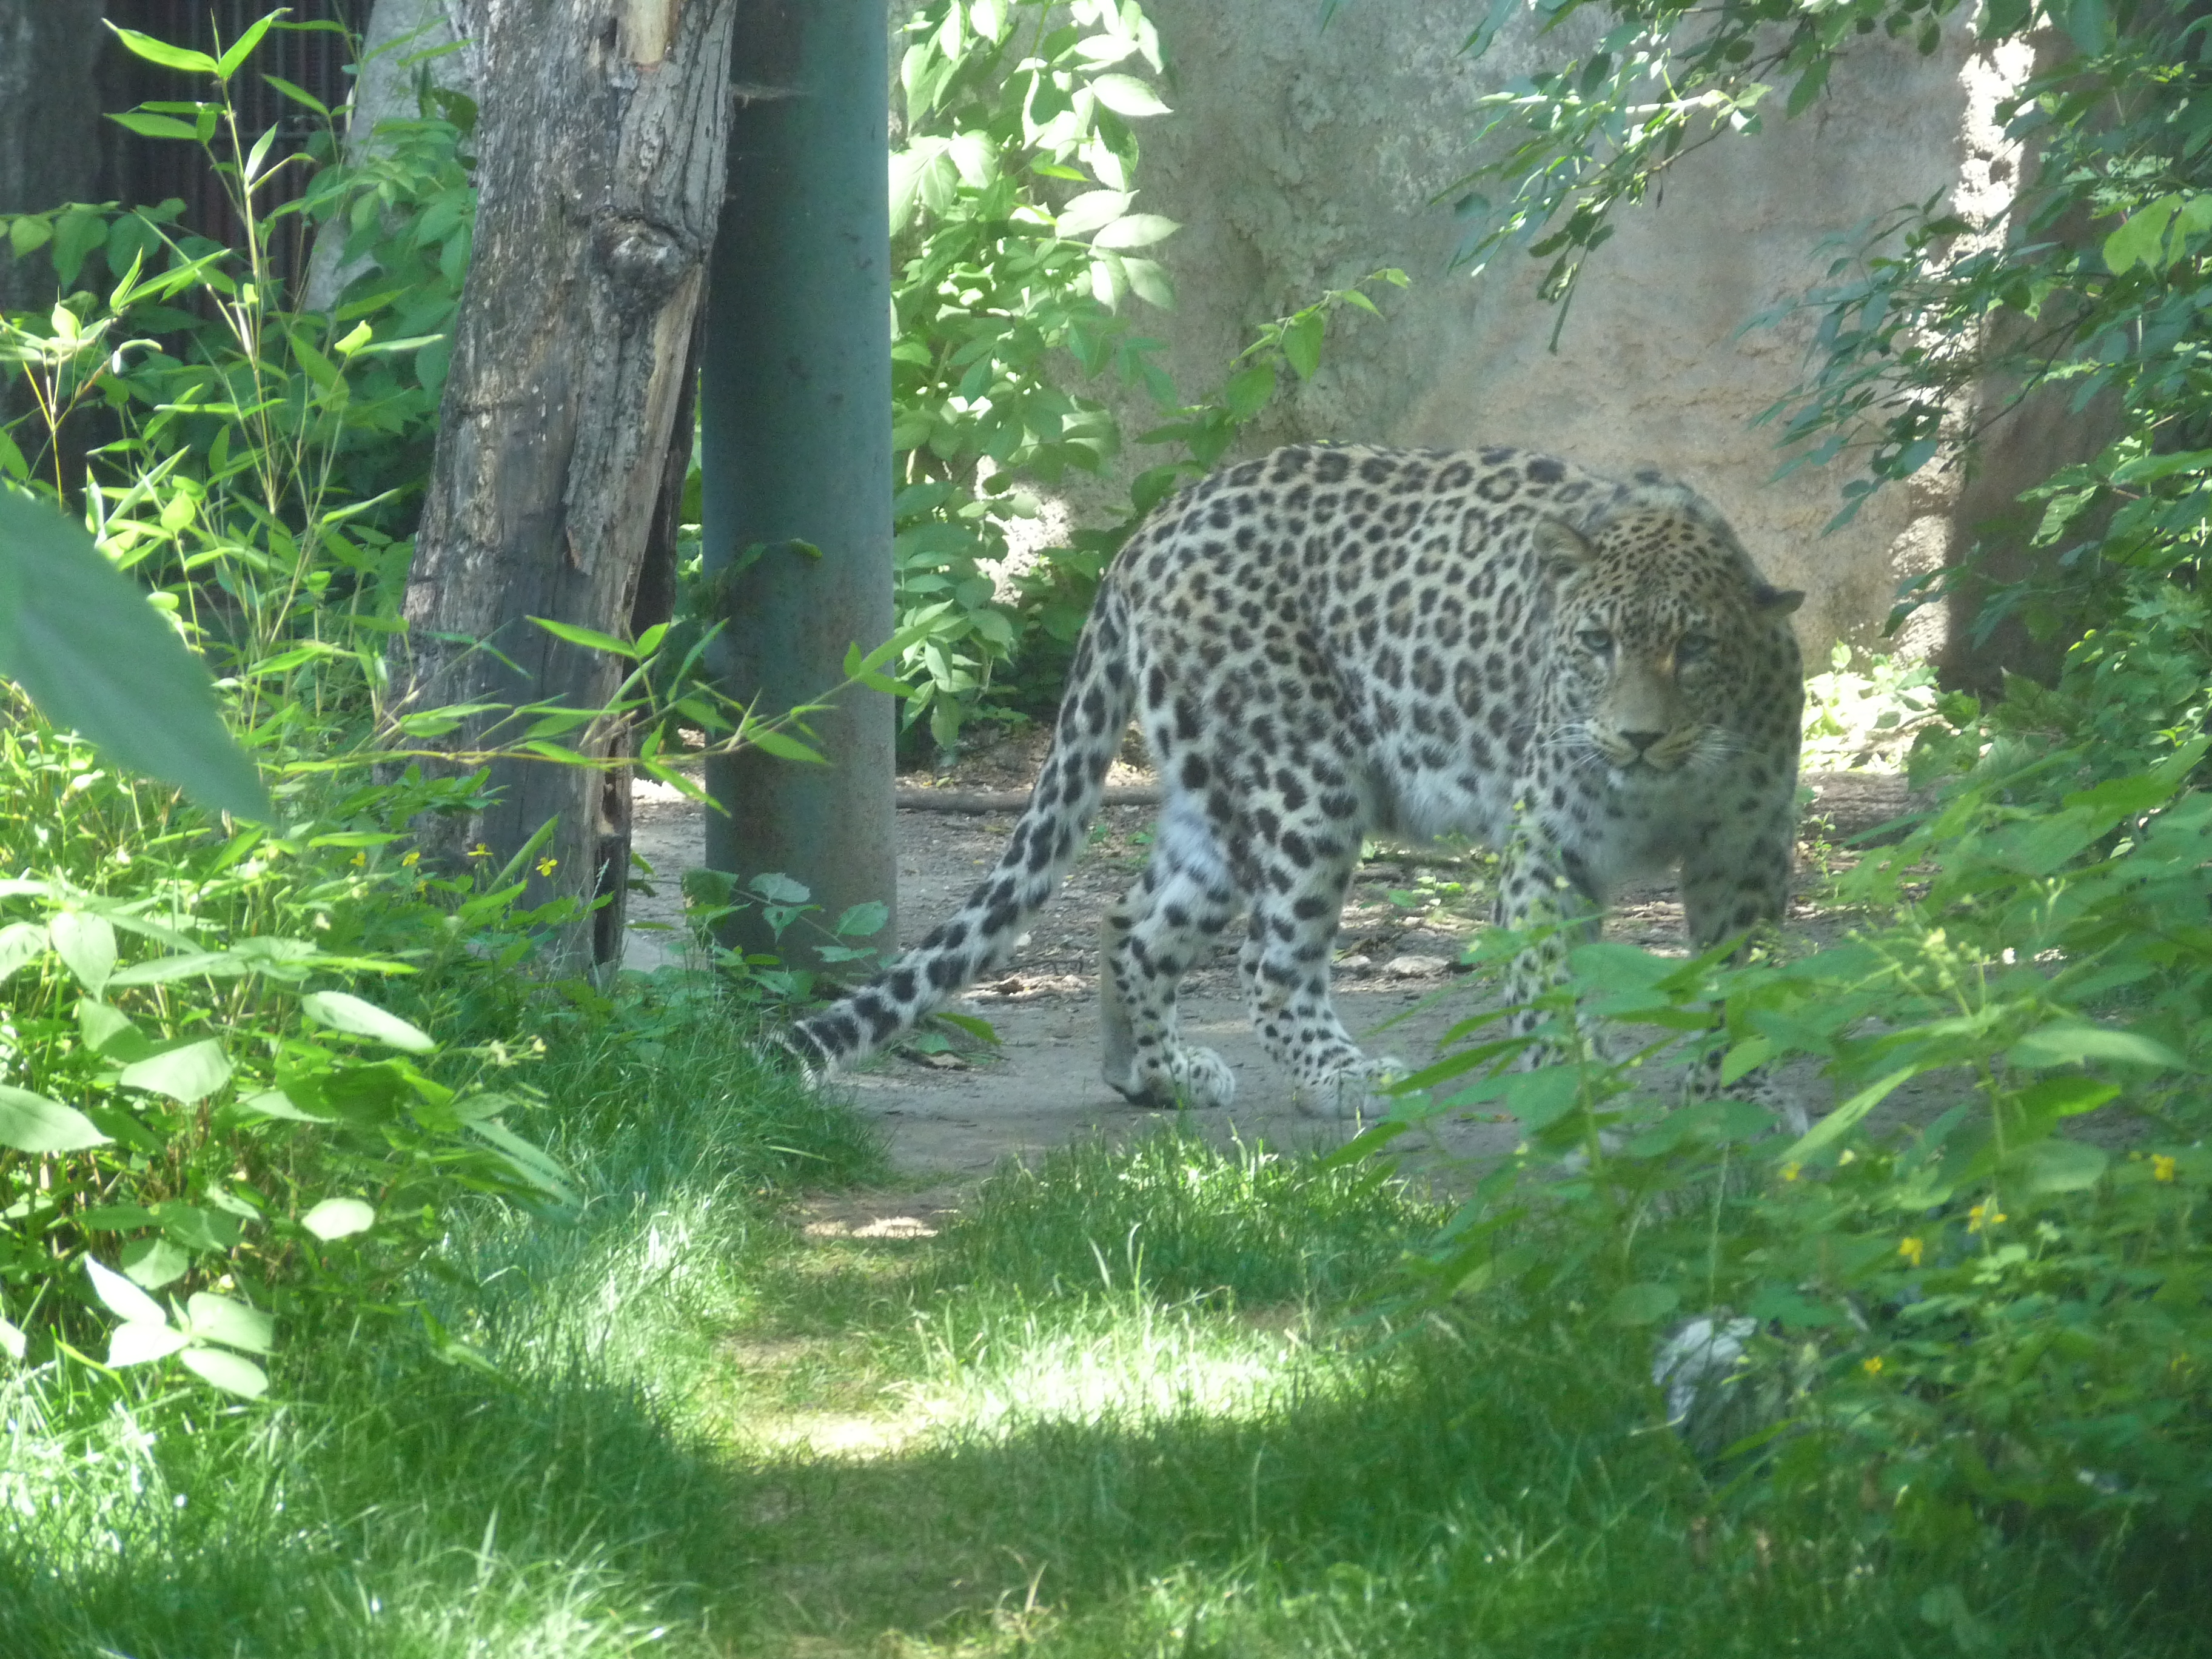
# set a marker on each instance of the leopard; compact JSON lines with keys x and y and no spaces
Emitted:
{"x":1332,"y":643}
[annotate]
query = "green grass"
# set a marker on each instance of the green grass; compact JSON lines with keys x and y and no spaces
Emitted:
{"x":399,"y":1505}
{"x":1112,"y":1410}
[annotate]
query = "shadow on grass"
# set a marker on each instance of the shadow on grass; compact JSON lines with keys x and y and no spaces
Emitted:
{"x":1487,"y":1488}
{"x":1501,"y":1490}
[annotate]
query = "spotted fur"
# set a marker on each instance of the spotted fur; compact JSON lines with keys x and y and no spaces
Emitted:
{"x":1332,"y":643}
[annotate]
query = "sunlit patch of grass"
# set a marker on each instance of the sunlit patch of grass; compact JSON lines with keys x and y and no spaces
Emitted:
{"x":1111,"y":1412}
{"x":1110,"y":1358}
{"x":1179,"y":1218}
{"x":1084,"y":1459}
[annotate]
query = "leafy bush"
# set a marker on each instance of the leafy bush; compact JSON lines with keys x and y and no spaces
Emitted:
{"x":1974,"y":1292}
{"x":211,"y":1126}
{"x":1018,"y":241}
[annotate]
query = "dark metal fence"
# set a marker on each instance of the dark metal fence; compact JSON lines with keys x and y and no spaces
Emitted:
{"x":148,"y":171}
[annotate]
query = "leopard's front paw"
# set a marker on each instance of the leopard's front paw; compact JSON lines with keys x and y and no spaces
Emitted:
{"x":1195,"y":1077}
{"x":1359,"y":1090}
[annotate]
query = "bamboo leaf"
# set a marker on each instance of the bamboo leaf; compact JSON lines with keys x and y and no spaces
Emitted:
{"x":591,"y":638}
{"x":162,"y":53}
{"x":242,"y":48}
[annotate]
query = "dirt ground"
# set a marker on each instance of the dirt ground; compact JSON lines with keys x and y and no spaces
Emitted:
{"x":951,"y":1117}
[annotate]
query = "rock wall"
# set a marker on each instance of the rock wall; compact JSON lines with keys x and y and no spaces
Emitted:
{"x":1299,"y":159}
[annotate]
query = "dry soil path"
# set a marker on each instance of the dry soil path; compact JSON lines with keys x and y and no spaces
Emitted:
{"x":950,"y":1118}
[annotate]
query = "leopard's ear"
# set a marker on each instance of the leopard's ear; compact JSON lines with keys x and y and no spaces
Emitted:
{"x":1777,"y":601}
{"x":1561,"y":548}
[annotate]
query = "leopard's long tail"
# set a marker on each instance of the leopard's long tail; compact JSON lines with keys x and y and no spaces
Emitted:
{"x":1094,"y":711}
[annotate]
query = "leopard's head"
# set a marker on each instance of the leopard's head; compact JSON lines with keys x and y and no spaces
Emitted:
{"x":1668,"y":650}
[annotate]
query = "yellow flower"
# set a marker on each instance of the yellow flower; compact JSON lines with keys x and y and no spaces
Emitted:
{"x":1913,"y":1249}
{"x":1849,"y":1157}
{"x":1791,"y":1171}
{"x":2162,"y":1167}
{"x":547,"y":864}
{"x":361,"y":860}
{"x":1985,"y":1214}
{"x":411,"y":860}
{"x":1871,"y":1366}
{"x":479,"y":851}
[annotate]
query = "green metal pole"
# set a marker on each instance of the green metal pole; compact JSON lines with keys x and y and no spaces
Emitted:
{"x":795,"y":407}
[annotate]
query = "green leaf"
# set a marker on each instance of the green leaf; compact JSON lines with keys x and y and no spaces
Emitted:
{"x":108,"y":1030}
{"x":220,"y":1319}
{"x":273,"y":1103}
{"x":32,"y":1123}
{"x":591,"y":638}
{"x":782,"y":747}
{"x":228,"y":1371}
{"x":86,"y":944}
{"x":981,"y":1030}
{"x":2141,"y":238}
{"x":530,"y":1162}
{"x":1128,"y":96}
{"x":135,"y":1341}
{"x":1302,"y":344}
{"x":1833,"y":1127}
{"x":1249,"y":391}
{"x":2068,"y":1094}
{"x":243,"y":47}
{"x":80,"y":638}
{"x":344,"y":1013}
{"x":187,"y":964}
{"x":339,"y":1218}
{"x":151,"y":1263}
{"x":2145,"y":469}
{"x":863,"y":920}
{"x":2064,"y":1042}
{"x":186,"y":1075}
{"x":298,"y":94}
{"x":1091,"y":211}
{"x":116,"y":1217}
{"x":1148,"y":280}
{"x":1540,"y":1099}
{"x":2060,"y":1166}
{"x":1810,"y":85}
{"x":778,"y":889}
{"x":123,"y":1298}
{"x":162,"y":53}
{"x":1135,"y":230}
{"x":202,"y":1229}
{"x":21,"y":942}
{"x":1642,"y":1305}
{"x":320,"y":369}
{"x":2086,"y":21}
{"x":28,"y":234}
{"x":155,"y":126}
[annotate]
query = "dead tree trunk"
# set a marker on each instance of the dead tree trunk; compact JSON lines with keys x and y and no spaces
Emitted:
{"x":603,"y":138}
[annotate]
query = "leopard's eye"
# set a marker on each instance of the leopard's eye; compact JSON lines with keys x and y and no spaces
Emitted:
{"x":1594,"y":639}
{"x":1693,"y":647}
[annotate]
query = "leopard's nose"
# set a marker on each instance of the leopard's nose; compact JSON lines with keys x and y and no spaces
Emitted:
{"x":1640,"y":741}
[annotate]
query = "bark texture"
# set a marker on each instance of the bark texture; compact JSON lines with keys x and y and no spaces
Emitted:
{"x":603,"y":136}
